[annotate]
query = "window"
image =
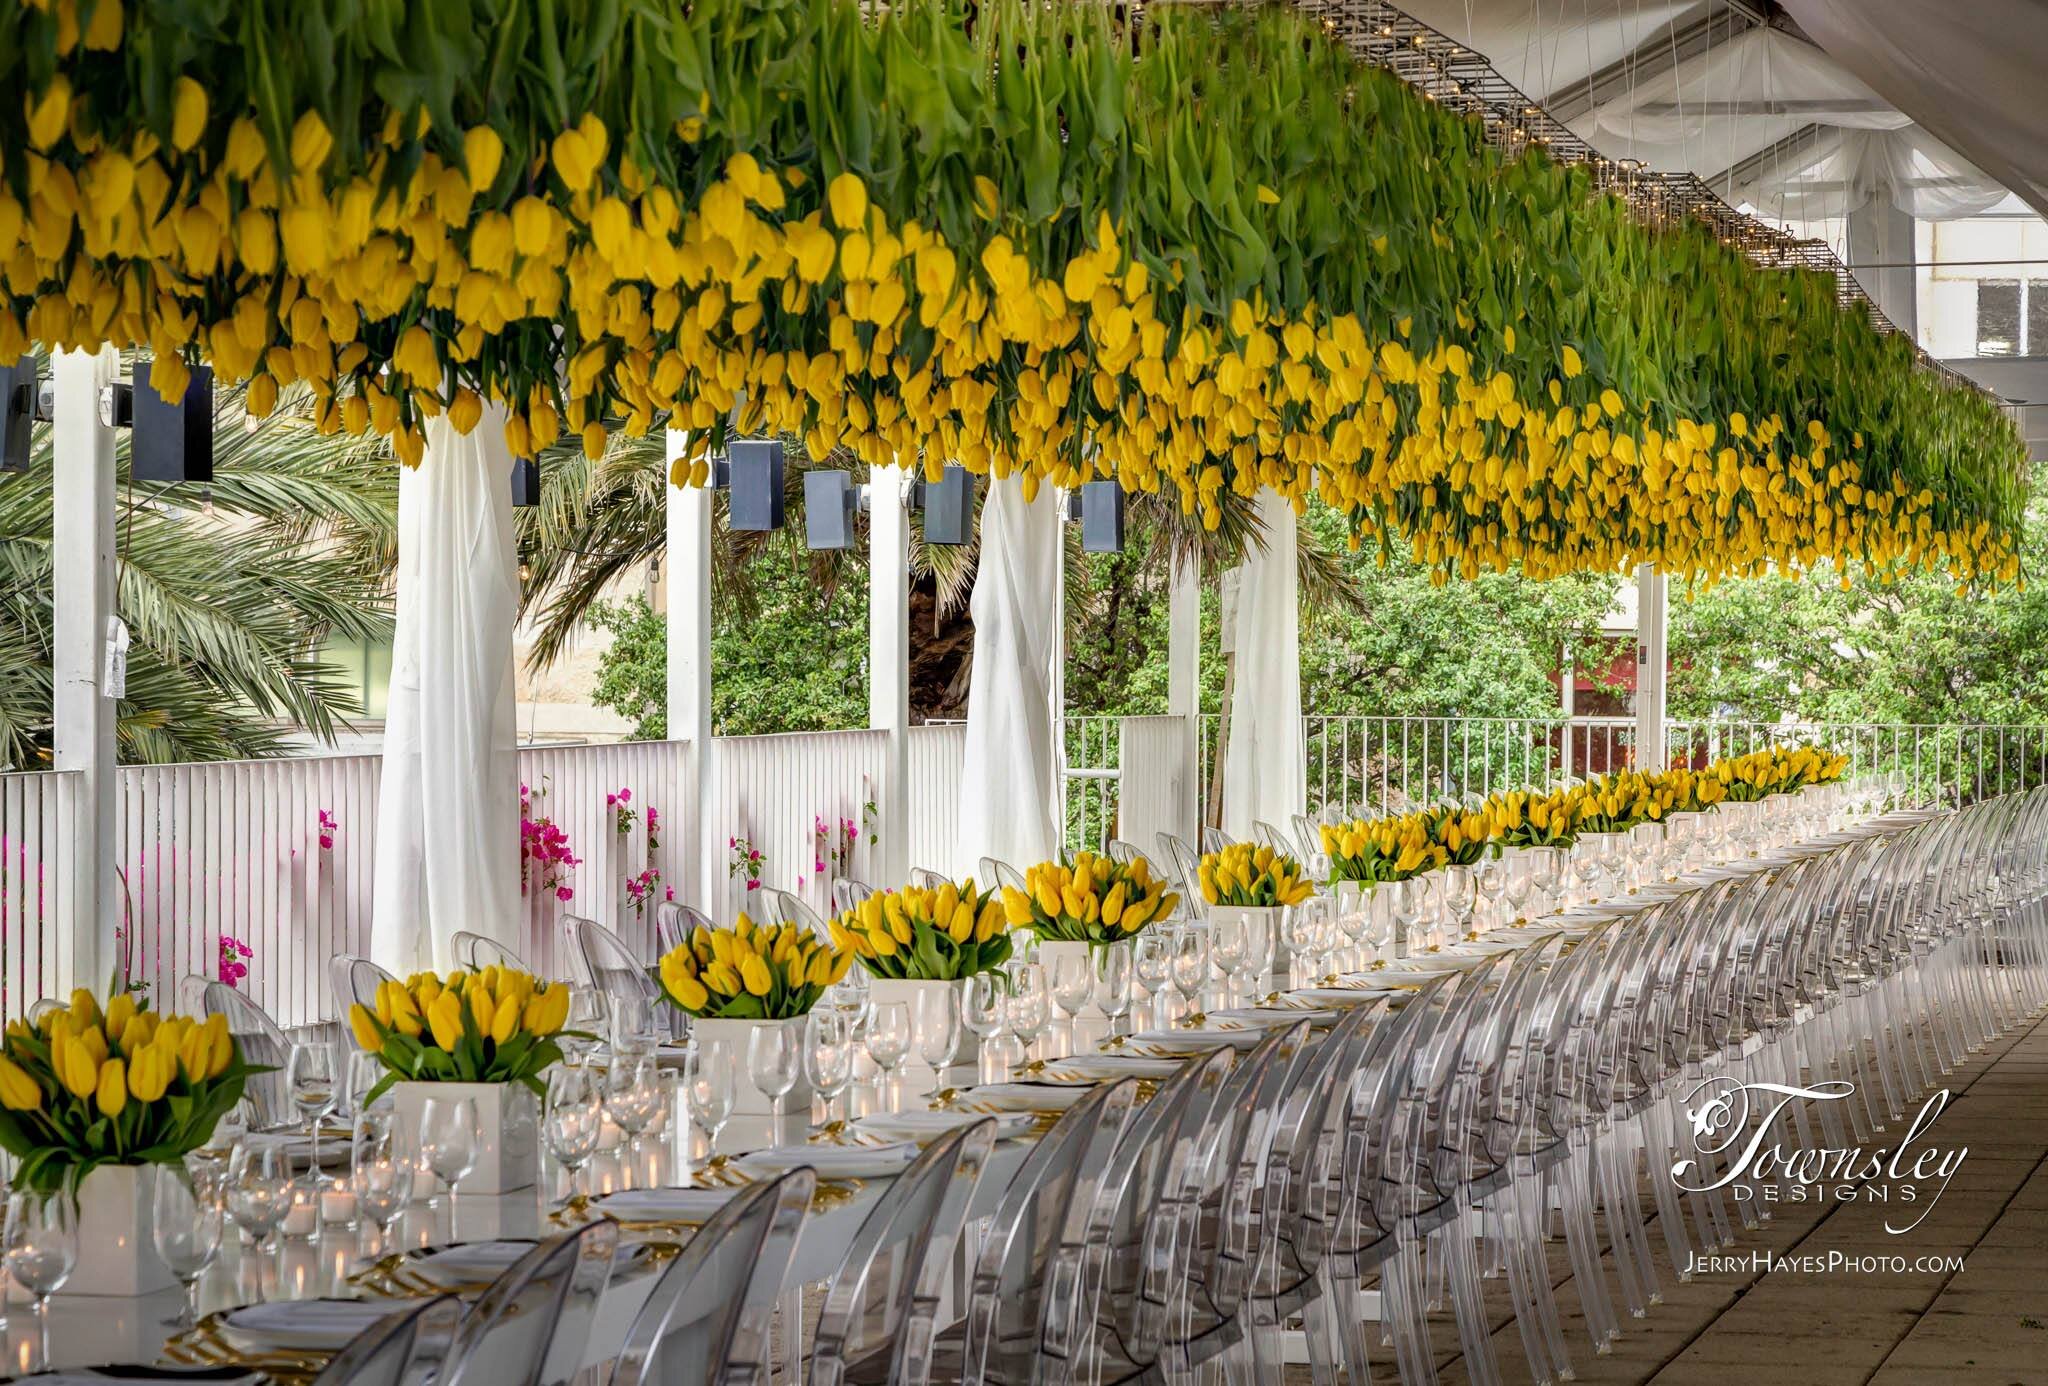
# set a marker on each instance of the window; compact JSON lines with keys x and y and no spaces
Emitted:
{"x":1998,"y":317}
{"x":2037,"y":318}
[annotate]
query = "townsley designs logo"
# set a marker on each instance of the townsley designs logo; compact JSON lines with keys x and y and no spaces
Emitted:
{"x":1737,"y":1131}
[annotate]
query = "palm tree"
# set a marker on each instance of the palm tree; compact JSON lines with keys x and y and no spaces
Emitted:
{"x":229,"y":590}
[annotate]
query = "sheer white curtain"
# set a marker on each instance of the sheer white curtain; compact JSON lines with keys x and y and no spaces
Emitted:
{"x":1010,"y":776}
{"x":448,"y":809}
{"x":1265,"y":772}
{"x":1970,"y":74}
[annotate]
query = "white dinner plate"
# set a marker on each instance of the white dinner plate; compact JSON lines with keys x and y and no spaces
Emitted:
{"x":1107,"y":1068}
{"x":469,"y":1264}
{"x":1194,"y":1041}
{"x":687,"y":1207}
{"x":991,"y":1098}
{"x":925,"y":1127}
{"x":306,"y":1325}
{"x":1274,"y":1017}
{"x":831,"y":1161}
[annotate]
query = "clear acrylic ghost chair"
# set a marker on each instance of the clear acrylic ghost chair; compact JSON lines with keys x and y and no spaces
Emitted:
{"x":1120,"y":850}
{"x":879,"y":1317}
{"x":1185,"y":863}
{"x":706,"y":1321}
{"x":262,"y":1043}
{"x":925,"y":878}
{"x":997,"y":1340}
{"x":569,"y":950}
{"x":355,"y":981}
{"x":1266,"y":835}
{"x":531,"y":1326}
{"x":1092,"y":1330}
{"x":674,"y":922}
{"x":613,"y":968}
{"x":408,"y":1346}
{"x":49,"y":1005}
{"x":847,"y":893}
{"x":997,"y":874}
{"x":474,"y":952}
{"x":1214,"y":840}
{"x":787,"y":907}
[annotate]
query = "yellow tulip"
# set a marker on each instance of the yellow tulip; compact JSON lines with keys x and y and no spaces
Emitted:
{"x":18,"y":1091}
{"x":961,"y":925}
{"x":365,"y":1027}
{"x":148,"y":1075}
{"x":188,"y":113}
{"x":690,"y":994}
{"x":95,"y":1042}
{"x":482,"y":1009}
{"x":49,"y":114}
{"x":721,"y":978}
{"x":444,"y":1020}
{"x":482,"y":153}
{"x":505,"y":1023}
{"x":847,"y":196}
{"x":819,"y":971}
{"x":84,"y":1010}
{"x":113,"y":1087}
{"x":120,"y":1010}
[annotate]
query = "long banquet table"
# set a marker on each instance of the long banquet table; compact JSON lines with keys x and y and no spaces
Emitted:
{"x":85,"y":1331}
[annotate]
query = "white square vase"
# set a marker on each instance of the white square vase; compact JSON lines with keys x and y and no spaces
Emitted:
{"x":966,"y":1045}
{"x":116,"y":1246}
{"x":507,"y":1125}
{"x":732,"y":1038}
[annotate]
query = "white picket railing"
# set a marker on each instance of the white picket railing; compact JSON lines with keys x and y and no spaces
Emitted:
{"x":772,"y":791}
{"x":937,"y":754}
{"x":37,"y":829}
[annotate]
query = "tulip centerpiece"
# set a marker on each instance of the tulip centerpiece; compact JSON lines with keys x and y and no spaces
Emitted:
{"x":734,"y":982}
{"x":1254,"y":886}
{"x":93,"y":1101}
{"x":486,"y":1036}
{"x":921,"y":943}
{"x":1095,"y":900}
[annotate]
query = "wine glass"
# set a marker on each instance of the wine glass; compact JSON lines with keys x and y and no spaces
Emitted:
{"x":1258,"y":953}
{"x":1490,"y":880}
{"x":448,"y":1140}
{"x":632,"y":1089}
{"x":888,"y":1036}
{"x":828,"y":1054}
{"x":775,"y":1059}
{"x":381,"y":1166}
{"x":573,"y":1119}
{"x":1305,"y":936}
{"x":936,"y":1025}
{"x":41,"y":1250}
{"x":360,"y":1072}
{"x":707,"y":1092}
{"x":1113,"y":982}
{"x":852,"y":998}
{"x":310,"y":1074}
{"x":1460,"y":891}
{"x":1191,"y":965}
{"x":260,"y":1187}
{"x":1546,"y":877}
{"x":1409,"y":900}
{"x":186,"y":1224}
{"x":1030,"y":1004}
{"x":635,"y":1023}
{"x":1228,"y":940}
{"x":589,"y":1014}
{"x":1152,"y":961}
{"x":984,"y":1011}
{"x":1073,"y":983}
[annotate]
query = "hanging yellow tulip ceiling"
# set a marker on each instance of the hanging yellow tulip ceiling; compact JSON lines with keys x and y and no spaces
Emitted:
{"x":1208,"y":253}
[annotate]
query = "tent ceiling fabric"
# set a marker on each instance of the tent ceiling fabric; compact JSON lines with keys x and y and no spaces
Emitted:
{"x":1969,"y":74}
{"x":1765,"y":116}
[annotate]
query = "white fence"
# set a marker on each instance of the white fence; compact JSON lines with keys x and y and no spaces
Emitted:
{"x":37,"y":869}
{"x":776,"y":792}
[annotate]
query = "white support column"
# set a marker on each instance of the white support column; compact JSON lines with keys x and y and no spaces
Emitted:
{"x":889,"y":664}
{"x":1652,"y":660}
{"x":688,"y":601}
{"x":1184,"y":684}
{"x":82,"y":561}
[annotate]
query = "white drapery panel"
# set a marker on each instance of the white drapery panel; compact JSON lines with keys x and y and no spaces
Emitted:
{"x":448,"y":808}
{"x":1010,"y":774}
{"x":1970,"y":74}
{"x":1265,"y":772}
{"x":1909,"y":169}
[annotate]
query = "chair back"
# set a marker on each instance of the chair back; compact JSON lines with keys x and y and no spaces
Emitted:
{"x":1214,"y":840}
{"x":924,"y":878}
{"x":530,"y":1327}
{"x":613,"y":968}
{"x":263,"y":1043}
{"x":355,"y":981}
{"x":408,"y":1345}
{"x":475,"y":952}
{"x":1120,"y":850}
{"x":706,"y":1320}
{"x":996,"y":874}
{"x":787,"y":907}
{"x":673,"y":923}
{"x":848,"y":893}
{"x":880,"y":1308}
{"x":1185,"y":862}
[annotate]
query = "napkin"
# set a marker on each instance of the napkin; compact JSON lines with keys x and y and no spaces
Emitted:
{"x":926,"y":1126}
{"x":832,"y":1161}
{"x":1197,"y":1041}
{"x":308,"y":1325}
{"x":471,"y":1263}
{"x":1020,"y":1097}
{"x":1273,"y":1017}
{"x":663,"y":1205}
{"x":1109,"y":1067}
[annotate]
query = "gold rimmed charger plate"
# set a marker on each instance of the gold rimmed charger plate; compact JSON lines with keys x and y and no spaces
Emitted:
{"x":204,"y":1345}
{"x":398,"y":1276}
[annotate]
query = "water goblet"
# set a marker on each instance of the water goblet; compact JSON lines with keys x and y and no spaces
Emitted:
{"x":935,"y":1025}
{"x":1459,"y":892}
{"x":1030,"y":1003}
{"x":985,"y":1010}
{"x":888,"y":1035}
{"x":259,"y":1188}
{"x":828,"y":1055}
{"x":448,"y":1140}
{"x":1490,"y":880}
{"x":382,"y":1165}
{"x":572,"y":1119}
{"x":775,"y":1060}
{"x":1229,"y":938}
{"x":1113,"y":981}
{"x":707,"y":1093}
{"x":310,"y":1075}
{"x":1408,"y":899}
{"x":185,"y":1223}
{"x":40,"y":1248}
{"x":1152,"y":961}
